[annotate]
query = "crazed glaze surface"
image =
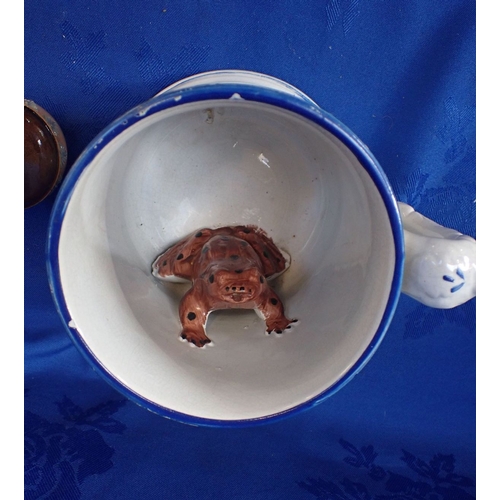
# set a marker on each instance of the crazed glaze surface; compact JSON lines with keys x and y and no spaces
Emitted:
{"x":229,"y":268}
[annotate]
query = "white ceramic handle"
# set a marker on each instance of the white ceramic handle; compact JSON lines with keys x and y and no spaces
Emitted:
{"x":440,"y":264}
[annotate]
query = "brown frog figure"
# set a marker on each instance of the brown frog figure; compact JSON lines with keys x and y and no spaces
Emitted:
{"x":229,"y":268}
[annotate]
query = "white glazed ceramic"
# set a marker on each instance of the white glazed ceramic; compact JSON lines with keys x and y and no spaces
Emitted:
{"x":211,"y":154}
{"x":238,"y":77}
{"x":440,"y":264}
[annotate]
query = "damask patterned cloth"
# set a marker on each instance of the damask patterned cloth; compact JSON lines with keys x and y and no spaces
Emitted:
{"x":400,"y":74}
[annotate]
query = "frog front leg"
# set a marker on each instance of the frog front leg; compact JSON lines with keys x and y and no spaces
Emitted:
{"x":273,"y":312}
{"x":193,"y":313}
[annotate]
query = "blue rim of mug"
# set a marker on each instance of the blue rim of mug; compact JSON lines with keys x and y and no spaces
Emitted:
{"x":247,"y":93}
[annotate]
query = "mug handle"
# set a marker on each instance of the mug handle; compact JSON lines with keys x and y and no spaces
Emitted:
{"x":440,"y":263}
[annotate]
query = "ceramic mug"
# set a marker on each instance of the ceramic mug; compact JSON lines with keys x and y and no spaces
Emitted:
{"x":237,"y":148}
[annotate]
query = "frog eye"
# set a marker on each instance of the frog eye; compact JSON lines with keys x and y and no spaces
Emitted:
{"x":211,"y":278}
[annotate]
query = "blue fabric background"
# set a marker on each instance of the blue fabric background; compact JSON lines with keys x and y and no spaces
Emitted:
{"x":401,"y":74}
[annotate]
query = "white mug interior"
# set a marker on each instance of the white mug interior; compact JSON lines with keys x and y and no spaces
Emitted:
{"x":211,"y":164}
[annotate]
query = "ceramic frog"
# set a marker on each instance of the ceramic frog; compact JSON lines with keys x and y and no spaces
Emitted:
{"x":229,"y":267}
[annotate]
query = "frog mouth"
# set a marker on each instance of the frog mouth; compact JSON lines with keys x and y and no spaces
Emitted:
{"x":238,"y":294}
{"x":241,"y":297}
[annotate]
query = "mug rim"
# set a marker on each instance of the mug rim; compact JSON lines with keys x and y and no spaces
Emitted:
{"x":248,"y":93}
